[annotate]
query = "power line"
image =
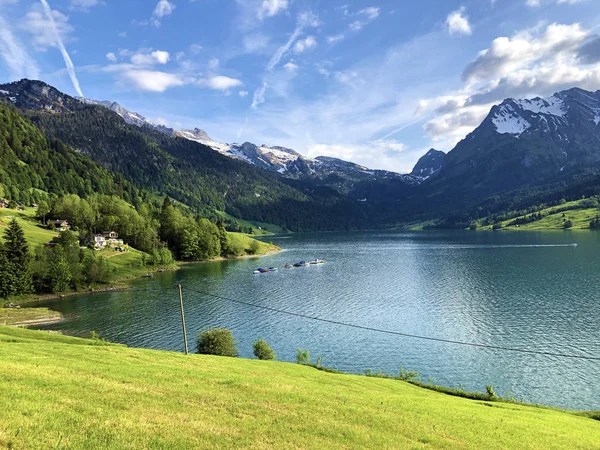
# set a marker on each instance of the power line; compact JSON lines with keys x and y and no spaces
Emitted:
{"x":395,"y":333}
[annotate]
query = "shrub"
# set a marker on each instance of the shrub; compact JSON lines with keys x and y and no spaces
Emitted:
{"x":217,"y":341}
{"x":568,"y":224}
{"x":263,"y":351}
{"x":490,"y":391}
{"x":303,"y":357}
{"x":254,"y":247}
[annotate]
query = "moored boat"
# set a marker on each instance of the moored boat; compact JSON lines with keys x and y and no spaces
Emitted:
{"x":288,"y":266}
{"x":317,"y":261}
{"x":302,"y":264}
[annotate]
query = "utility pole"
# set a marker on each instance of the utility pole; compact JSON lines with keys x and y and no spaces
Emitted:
{"x":183,"y":320}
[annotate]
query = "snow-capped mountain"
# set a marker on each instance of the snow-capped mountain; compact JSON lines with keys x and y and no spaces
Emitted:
{"x":336,"y":173}
{"x":528,"y":141}
{"x":132,"y":118}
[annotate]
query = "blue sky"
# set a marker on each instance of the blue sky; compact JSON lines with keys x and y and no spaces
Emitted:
{"x":375,"y":82}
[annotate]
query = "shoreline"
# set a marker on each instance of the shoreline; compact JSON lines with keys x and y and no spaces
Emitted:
{"x":124,"y":284}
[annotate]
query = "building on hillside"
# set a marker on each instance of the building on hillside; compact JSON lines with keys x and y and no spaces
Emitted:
{"x":99,"y":242}
{"x":61,"y":225}
{"x":3,"y":203}
{"x":34,"y":205}
{"x":109,"y":239}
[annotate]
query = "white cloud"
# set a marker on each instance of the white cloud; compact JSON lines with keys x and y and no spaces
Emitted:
{"x":305,"y":44}
{"x":458,"y":23}
{"x":385,"y":152}
{"x":335,"y":38}
{"x":154,"y":81}
{"x":84,"y":5}
{"x":305,"y":20}
{"x":20,"y":64}
{"x":219,"y":83}
{"x":163,"y":8}
{"x":371,"y":13}
{"x":270,"y":8}
{"x":532,"y":63}
{"x":150,"y":58}
{"x":507,"y":55}
{"x":111,"y":57}
{"x":291,"y":66}
{"x":243,"y":94}
{"x":364,"y":16}
{"x":48,"y":30}
{"x":213,"y":63}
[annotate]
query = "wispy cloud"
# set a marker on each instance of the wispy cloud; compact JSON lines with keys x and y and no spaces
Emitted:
{"x":61,"y":46}
{"x":270,"y":8}
{"x":84,"y":5}
{"x":18,"y":60}
{"x":163,"y":8}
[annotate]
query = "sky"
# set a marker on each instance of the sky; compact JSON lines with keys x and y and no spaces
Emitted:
{"x":376,"y":82}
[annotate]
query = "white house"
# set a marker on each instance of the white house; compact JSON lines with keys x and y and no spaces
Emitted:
{"x":99,"y":242}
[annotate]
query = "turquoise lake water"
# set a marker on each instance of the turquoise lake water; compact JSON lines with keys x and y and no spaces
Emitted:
{"x":522,"y":290}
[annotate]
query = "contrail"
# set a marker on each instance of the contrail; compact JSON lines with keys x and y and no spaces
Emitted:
{"x":63,"y":50}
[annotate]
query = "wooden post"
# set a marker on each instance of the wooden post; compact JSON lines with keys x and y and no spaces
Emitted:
{"x":183,"y":320}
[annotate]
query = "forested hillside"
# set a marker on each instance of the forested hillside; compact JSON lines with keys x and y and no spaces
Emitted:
{"x":32,"y":164}
{"x":187,"y":171}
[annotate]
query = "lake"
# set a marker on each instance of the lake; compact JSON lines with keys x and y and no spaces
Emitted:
{"x":521,"y":290}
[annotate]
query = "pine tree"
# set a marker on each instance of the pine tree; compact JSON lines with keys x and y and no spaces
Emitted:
{"x":17,"y":254}
{"x":7,"y":278}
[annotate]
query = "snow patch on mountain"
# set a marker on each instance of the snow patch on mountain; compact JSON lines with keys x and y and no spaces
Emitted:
{"x":509,"y":121}
{"x":552,"y":105}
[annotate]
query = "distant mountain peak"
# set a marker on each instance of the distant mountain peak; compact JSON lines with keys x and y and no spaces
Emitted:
{"x":429,"y":165}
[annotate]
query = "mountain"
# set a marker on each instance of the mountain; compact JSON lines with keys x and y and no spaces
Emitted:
{"x":524,"y":152}
{"x":334,"y":173}
{"x":429,"y":165}
{"x":186,"y":170}
{"x":131,"y":118}
{"x":527,"y":142}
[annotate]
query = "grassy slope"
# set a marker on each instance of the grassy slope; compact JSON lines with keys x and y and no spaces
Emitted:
{"x":64,"y":392}
{"x":580,"y":218}
{"x":24,"y":316}
{"x":35,"y":234}
{"x":244,"y":241}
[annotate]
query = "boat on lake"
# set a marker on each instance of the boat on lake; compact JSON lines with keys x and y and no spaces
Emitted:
{"x":288,"y":266}
{"x":302,"y":264}
{"x":316,"y":262}
{"x":261,"y":270}
{"x":273,"y":269}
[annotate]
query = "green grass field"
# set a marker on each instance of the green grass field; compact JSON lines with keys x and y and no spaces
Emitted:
{"x":244,"y":241}
{"x":580,"y":218}
{"x":35,"y":234}
{"x":63,"y":392}
{"x":27,"y":316}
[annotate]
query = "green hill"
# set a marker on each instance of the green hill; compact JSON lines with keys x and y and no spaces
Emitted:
{"x":63,"y":392}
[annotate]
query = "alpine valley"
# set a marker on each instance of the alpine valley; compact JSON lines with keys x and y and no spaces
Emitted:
{"x":525,"y":153}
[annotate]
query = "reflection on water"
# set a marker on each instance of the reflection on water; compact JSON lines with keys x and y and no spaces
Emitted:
{"x":524,"y":290}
